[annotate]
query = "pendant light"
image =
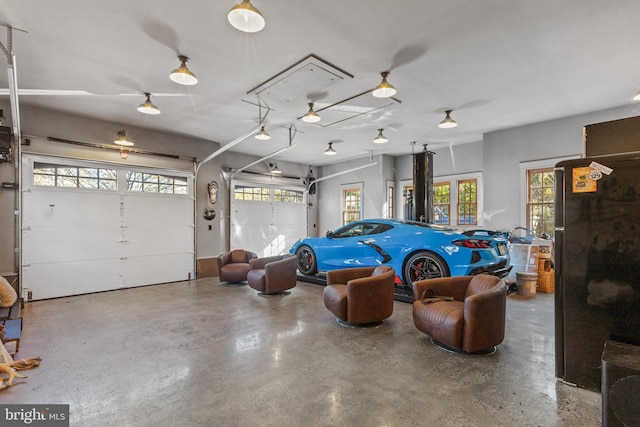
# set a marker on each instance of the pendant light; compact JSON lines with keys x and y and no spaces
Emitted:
{"x":263,"y":134}
{"x":182,"y":75}
{"x":330,"y":151}
{"x":448,"y":122}
{"x":122,"y":139}
{"x":380,"y":139}
{"x":384,"y":89}
{"x":273,"y":167}
{"x":147,"y":107}
{"x":311,"y":116}
{"x":246,"y":18}
{"x":637,"y":97}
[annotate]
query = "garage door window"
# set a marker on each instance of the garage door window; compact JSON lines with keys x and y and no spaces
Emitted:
{"x":155,"y":183}
{"x":252,"y":193}
{"x":288,"y":196}
{"x":50,"y":175}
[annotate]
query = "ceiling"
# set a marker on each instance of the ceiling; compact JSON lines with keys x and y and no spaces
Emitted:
{"x":496,"y":64}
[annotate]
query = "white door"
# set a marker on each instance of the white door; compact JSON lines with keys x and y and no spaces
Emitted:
{"x":267,"y":219}
{"x":105,"y":233}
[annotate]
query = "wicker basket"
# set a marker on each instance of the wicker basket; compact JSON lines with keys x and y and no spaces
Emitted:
{"x":546,"y":276}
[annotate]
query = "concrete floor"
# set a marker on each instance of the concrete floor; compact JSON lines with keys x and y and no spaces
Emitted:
{"x":200,"y":353}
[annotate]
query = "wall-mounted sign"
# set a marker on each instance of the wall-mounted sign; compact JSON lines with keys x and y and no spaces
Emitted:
{"x":213,"y":192}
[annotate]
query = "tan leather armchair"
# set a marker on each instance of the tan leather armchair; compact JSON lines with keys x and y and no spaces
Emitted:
{"x":473,"y":321}
{"x":361,"y":295}
{"x":273,"y":275}
{"x":233,"y":266}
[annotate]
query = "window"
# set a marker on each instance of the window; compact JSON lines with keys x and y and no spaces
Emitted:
{"x":288,"y":196}
{"x":74,"y":177}
{"x":362,"y":229}
{"x":154,"y":183}
{"x":351,"y":202}
{"x":467,"y":202}
{"x":540,"y":200}
{"x":241,"y":192}
{"x":390,"y":201}
{"x":441,"y":202}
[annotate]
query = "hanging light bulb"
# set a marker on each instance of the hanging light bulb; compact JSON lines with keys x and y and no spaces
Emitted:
{"x":263,"y":134}
{"x":182,"y":75}
{"x":448,"y":122}
{"x":311,"y":116}
{"x":122,"y":139}
{"x":330,"y":151}
{"x":246,"y":18}
{"x":380,"y":139}
{"x":384,"y":89}
{"x":123,"y":153}
{"x":147,"y":107}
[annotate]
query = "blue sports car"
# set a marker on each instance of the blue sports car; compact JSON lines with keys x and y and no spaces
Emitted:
{"x":415,"y":250}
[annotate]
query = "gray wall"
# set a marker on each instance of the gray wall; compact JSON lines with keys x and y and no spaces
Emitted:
{"x":373,"y":180}
{"x":497,"y":156}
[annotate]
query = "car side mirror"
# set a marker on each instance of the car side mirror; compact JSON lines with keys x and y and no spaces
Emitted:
{"x":329,"y":233}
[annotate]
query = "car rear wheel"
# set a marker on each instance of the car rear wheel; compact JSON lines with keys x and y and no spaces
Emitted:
{"x":424,"y":265}
{"x":307,"y":263}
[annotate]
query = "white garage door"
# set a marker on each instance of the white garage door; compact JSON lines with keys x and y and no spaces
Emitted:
{"x":89,"y":227}
{"x":267,"y":219}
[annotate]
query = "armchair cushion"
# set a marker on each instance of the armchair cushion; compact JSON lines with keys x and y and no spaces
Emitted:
{"x":473,"y":321}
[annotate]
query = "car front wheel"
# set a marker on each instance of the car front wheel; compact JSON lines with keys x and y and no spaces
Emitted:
{"x":307,"y":263}
{"x":424,"y":265}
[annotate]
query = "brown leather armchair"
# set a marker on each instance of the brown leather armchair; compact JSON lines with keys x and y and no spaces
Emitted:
{"x":360,"y":296}
{"x":472,"y":321}
{"x":233,"y":266}
{"x":273,"y":275}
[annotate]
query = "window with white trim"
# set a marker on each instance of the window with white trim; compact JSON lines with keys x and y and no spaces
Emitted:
{"x":351,"y":203}
{"x":51,"y":175}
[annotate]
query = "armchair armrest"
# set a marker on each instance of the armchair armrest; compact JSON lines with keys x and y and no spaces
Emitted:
{"x":455,"y":287}
{"x":341,"y":277}
{"x":485,"y":311}
{"x":223,"y":259}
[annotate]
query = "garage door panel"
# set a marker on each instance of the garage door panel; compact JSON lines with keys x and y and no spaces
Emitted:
{"x":157,"y":240}
{"x":147,"y":270}
{"x":151,"y":209}
{"x":267,"y":227}
{"x":289,"y":213}
{"x":70,"y":243}
{"x":71,"y":278}
{"x":48,"y":207}
{"x":78,"y":241}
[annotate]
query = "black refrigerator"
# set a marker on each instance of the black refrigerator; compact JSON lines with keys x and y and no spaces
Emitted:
{"x":597,"y":261}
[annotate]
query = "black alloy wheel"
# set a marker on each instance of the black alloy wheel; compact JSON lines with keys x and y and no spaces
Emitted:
{"x":307,"y":263}
{"x":424,"y":265}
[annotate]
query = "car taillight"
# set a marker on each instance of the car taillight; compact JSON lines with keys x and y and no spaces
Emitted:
{"x":473,"y":243}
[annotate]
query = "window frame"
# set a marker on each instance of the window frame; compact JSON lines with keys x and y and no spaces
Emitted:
{"x":350,"y":215}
